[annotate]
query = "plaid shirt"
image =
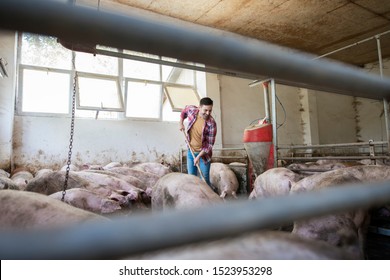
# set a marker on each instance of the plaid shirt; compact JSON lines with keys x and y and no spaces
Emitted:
{"x":209,"y":130}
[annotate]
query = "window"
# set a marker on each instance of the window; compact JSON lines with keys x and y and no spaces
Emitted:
{"x":98,"y":93}
{"x":44,"y":51}
{"x":140,"y":69}
{"x":143,"y":100}
{"x":179,"y":96}
{"x":111,"y":83}
{"x":49,"y":95}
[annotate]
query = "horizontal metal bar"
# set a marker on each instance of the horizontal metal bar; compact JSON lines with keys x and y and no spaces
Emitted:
{"x":334,"y":157}
{"x":308,"y":170}
{"x":341,"y":145}
{"x":354,"y":44}
{"x":213,"y":48}
{"x":173,"y":64}
{"x":232,"y":157}
{"x":141,"y":233}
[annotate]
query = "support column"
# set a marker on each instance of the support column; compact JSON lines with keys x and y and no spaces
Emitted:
{"x":7,"y":98}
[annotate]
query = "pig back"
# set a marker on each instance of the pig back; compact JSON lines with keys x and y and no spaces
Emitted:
{"x":182,"y":191}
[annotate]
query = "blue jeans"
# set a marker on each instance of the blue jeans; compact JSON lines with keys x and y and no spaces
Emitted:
{"x":204,"y":167}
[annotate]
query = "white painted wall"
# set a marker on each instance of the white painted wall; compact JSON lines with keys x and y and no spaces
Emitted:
{"x":43,"y":142}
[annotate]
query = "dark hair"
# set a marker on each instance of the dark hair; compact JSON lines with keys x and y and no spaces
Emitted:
{"x":206,"y":101}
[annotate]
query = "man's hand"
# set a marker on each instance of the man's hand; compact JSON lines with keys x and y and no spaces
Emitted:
{"x":196,"y":160}
{"x":181,"y":126}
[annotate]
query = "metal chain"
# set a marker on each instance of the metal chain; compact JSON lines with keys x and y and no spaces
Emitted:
{"x":71,"y":131}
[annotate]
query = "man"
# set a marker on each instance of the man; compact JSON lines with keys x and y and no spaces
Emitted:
{"x":201,"y":132}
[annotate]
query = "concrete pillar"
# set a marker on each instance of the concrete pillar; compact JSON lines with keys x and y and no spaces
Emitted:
{"x":7,"y":97}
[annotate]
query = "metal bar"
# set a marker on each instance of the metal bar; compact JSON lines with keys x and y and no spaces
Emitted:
{"x":341,"y":145}
{"x":173,"y":64}
{"x":378,"y":43}
{"x":387,"y":122}
{"x":354,"y":44}
{"x":266,"y":100}
{"x":219,"y":49}
{"x":141,"y":233}
{"x":230,"y":149}
{"x":274,"y":123}
{"x":307,"y":170}
{"x":232,"y":157}
{"x":334,"y":157}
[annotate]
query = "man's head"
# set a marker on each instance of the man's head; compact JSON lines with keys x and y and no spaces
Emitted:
{"x":205,"y":107}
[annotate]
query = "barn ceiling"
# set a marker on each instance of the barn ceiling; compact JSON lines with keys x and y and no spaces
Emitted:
{"x":313,"y":26}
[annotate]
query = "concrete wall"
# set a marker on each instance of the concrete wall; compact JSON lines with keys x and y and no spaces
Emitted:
{"x":7,"y":97}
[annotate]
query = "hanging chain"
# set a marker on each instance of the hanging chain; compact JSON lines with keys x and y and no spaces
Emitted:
{"x":71,"y":130}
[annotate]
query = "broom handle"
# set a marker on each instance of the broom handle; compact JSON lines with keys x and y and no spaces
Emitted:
{"x":193,"y":155}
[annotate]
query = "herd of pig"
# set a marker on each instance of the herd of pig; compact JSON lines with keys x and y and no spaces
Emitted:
{"x":94,"y":192}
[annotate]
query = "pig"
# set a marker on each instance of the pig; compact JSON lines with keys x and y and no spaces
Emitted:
{"x":102,"y":183}
{"x":182,"y":191}
{"x":7,"y":183}
{"x":274,"y":182}
{"x":28,"y":210}
{"x":52,"y":182}
{"x":321,"y":165}
{"x":111,"y":165}
{"x":223,"y":179}
{"x":348,"y":229}
{"x":149,"y":179}
{"x":4,"y":173}
{"x":153,"y":167}
{"x":42,"y":172}
{"x":72,"y":167}
{"x":127,"y":178}
{"x":88,"y":200}
{"x":21,"y":176}
{"x":261,"y":245}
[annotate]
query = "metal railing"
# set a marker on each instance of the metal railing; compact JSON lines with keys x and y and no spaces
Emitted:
{"x":367,"y":151}
{"x":128,"y":236}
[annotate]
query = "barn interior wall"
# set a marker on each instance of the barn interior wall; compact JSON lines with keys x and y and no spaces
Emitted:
{"x":39,"y":142}
{"x":303,"y":116}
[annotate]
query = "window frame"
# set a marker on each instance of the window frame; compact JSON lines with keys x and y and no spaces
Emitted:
{"x":120,"y":79}
{"x":19,"y":95}
{"x":169,"y":98}
{"x":103,"y":77}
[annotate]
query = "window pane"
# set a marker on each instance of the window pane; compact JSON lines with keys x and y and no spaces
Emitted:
{"x":99,"y":93}
{"x":45,"y":92}
{"x":99,"y":64}
{"x":169,"y":114}
{"x":44,"y":51}
{"x":177,"y":75}
{"x":166,"y":69}
{"x":179,"y":97}
{"x":139,"y":69}
{"x":143,"y":100}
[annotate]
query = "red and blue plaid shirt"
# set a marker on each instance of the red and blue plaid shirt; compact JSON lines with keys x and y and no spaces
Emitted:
{"x":209,"y":130}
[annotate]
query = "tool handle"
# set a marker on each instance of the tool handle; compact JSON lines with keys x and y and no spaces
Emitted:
{"x":193,"y":156}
